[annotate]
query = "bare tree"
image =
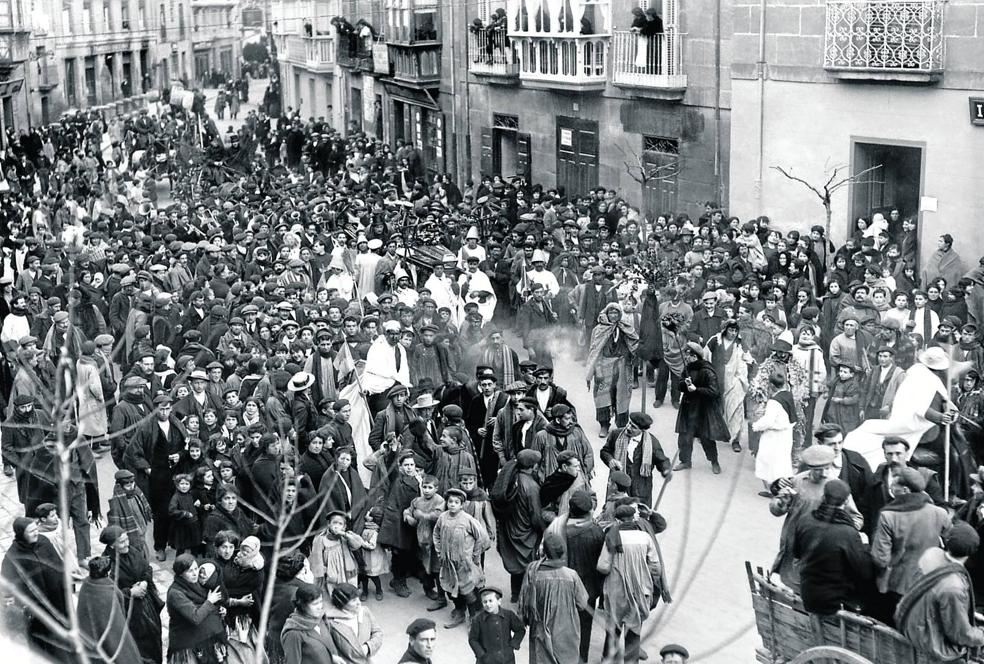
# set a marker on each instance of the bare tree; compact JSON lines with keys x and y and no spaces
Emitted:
{"x":645,"y":172}
{"x":834,"y":179}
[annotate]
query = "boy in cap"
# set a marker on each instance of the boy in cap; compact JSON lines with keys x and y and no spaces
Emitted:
{"x":129,"y":509}
{"x":459,"y":542}
{"x":496,"y":632}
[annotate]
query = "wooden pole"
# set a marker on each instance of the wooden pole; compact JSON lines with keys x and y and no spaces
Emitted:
{"x":946,"y":431}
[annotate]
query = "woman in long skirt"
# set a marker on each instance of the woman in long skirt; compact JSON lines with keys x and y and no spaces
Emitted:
{"x":775,"y":451}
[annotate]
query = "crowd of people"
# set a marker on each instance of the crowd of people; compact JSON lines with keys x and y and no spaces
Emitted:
{"x":305,"y":376}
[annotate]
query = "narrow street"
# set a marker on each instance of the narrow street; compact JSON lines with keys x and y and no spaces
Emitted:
{"x":716,"y":523}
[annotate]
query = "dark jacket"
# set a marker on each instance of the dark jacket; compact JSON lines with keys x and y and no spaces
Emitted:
{"x":494,"y":638}
{"x":857,"y":473}
{"x":835,"y":566}
{"x":194,"y":620}
{"x":394,"y":531}
{"x":700,"y":413}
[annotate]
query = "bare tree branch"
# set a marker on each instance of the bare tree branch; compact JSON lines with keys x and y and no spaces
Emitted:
{"x":789,"y":175}
{"x":853,"y":179}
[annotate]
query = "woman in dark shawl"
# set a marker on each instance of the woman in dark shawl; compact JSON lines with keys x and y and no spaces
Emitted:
{"x":290,"y":568}
{"x":196,"y":634}
{"x":343,"y":490}
{"x":102,"y":618}
{"x":142,"y":602}
{"x":33,"y":567}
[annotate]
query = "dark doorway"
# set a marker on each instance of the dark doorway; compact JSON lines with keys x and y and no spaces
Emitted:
{"x":577,"y":155}
{"x":896,"y":184}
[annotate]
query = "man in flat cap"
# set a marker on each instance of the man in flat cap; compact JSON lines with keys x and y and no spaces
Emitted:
{"x":798,"y":496}
{"x":129,"y":509}
{"x":638,"y":453}
{"x":673,"y":653}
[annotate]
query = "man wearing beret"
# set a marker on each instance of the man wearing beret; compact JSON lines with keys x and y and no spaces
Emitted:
{"x":423,"y":636}
{"x":635,"y":451}
{"x":834,"y":563}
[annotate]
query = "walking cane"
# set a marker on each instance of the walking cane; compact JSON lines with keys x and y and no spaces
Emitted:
{"x":666,"y":481}
{"x":946,"y":431}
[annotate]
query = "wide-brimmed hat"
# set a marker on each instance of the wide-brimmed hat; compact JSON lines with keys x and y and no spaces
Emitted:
{"x":935,"y":358}
{"x":300,"y":381}
{"x":425,"y":400}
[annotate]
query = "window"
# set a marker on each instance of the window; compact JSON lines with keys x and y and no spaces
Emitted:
{"x":181,"y":22}
{"x":66,"y":17}
{"x":86,"y":16}
{"x":6,"y":17}
{"x":107,"y":17}
{"x":505,"y":122}
{"x":125,"y":15}
{"x":71,"y":94}
{"x":661,"y":159}
{"x":142,"y":15}
{"x":90,"y":81}
{"x":163,"y":21}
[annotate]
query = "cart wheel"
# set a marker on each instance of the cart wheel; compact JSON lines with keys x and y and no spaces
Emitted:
{"x":829,"y":655}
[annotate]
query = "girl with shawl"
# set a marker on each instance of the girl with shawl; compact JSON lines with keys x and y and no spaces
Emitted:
{"x":142,"y":602}
{"x":774,"y":458}
{"x":611,"y":353}
{"x":102,"y":619}
{"x":730,"y":361}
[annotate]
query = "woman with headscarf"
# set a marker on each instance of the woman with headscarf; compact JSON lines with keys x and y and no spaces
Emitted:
{"x":611,"y":354}
{"x":102,"y":618}
{"x":306,"y":638}
{"x":343,"y":489}
{"x":33,"y":568}
{"x":141,"y":600}
{"x":354,"y":630}
{"x":196,"y":634}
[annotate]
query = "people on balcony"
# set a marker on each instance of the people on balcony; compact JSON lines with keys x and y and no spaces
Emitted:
{"x":645,"y":24}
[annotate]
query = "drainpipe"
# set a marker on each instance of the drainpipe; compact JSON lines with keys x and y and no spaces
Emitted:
{"x":717,"y":103}
{"x":454,"y":80}
{"x":761,"y":96}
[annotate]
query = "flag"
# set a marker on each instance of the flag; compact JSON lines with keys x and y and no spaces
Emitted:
{"x":344,"y":364}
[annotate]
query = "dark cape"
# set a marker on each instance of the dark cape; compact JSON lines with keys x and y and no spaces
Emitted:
{"x":102,"y":620}
{"x":145,"y":615}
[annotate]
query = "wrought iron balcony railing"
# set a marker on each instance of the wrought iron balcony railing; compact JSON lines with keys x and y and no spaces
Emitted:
{"x":490,"y":53}
{"x":885,"y":39}
{"x":648,"y":61}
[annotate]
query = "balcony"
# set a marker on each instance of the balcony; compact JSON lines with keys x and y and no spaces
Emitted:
{"x":648,"y":65}
{"x":490,"y":54}
{"x":417,"y":64}
{"x":578,"y":63}
{"x":355,"y":54}
{"x":313,"y":53}
{"x":878,"y":40}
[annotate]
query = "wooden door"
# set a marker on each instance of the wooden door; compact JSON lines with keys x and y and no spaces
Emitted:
{"x":577,"y":155}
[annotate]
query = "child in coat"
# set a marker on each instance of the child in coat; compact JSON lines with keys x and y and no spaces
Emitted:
{"x":844,"y":405}
{"x":496,"y":632}
{"x":333,"y":554}
{"x":186,"y":531}
{"x":477,"y":504}
{"x":422,"y":514}
{"x":375,"y":562}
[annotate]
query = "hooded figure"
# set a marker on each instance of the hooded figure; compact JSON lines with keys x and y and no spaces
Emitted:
{"x":34,"y":568}
{"x":102,"y":617}
{"x":614,"y":343}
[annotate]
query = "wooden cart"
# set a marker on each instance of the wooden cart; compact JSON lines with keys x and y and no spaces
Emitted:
{"x":790,"y":635}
